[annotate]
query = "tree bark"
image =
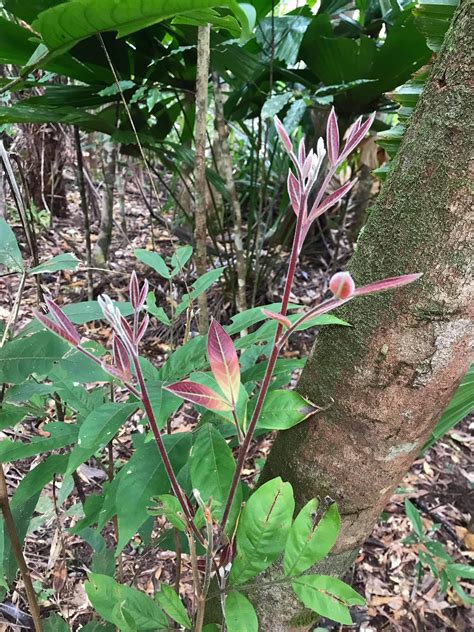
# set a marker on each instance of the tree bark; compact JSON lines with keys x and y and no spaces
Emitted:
{"x":102,"y":245}
{"x":200,"y":183}
{"x":386,"y":380}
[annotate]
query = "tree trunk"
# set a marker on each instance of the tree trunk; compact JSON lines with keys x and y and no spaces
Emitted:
{"x":386,"y":380}
{"x":200,"y":183}
{"x":102,"y":245}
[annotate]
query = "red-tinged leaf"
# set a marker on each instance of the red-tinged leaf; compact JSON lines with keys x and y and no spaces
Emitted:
{"x":283,"y":320}
{"x":294,"y":191}
{"x":224,"y":361}
{"x":331,"y":200}
{"x":308,"y":163}
{"x":143,"y":327}
{"x":342,"y":285}
{"x":356,"y":138}
{"x":127,"y":329}
{"x":354,"y":128}
{"x":143,"y":294}
{"x":282,"y":133}
{"x":134,"y":290}
{"x":301,"y":152}
{"x":121,"y":357}
{"x":387,"y":284}
{"x":198,"y":394}
{"x":55,"y":328}
{"x":332,"y":135}
{"x":62,"y":320}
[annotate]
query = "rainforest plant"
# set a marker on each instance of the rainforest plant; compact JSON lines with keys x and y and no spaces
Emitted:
{"x":231,"y":533}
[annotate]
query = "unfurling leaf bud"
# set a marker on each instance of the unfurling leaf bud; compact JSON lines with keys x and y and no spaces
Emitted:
{"x":332,"y":137}
{"x":282,"y":133}
{"x":342,"y":285}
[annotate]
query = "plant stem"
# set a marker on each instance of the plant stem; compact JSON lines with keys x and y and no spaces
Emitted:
{"x":200,"y":598}
{"x":175,"y":486}
{"x":85,"y":212}
{"x":270,"y":367}
{"x":18,"y":551}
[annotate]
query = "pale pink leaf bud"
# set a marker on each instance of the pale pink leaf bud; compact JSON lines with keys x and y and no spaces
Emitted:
{"x":142,"y":296}
{"x":342,"y":285}
{"x":134,"y":290}
{"x":308,"y":163}
{"x":142,"y":329}
{"x":332,"y":135}
{"x":283,"y":134}
{"x":301,"y":152}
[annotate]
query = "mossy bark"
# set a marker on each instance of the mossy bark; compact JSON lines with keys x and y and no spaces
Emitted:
{"x":385,"y":381}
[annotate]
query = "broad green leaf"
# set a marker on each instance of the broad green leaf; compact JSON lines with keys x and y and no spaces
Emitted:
{"x":143,"y":477}
{"x":61,"y":435}
{"x":65,"y":261}
{"x":98,"y":429}
{"x":239,"y":614}
{"x":105,"y":593}
{"x":169,"y":507}
{"x":153,"y":260}
{"x":10,"y":415}
{"x":263,"y":529}
{"x":38,"y":477}
{"x":180,"y":258}
{"x":55,"y":623}
{"x":212,"y":468}
{"x":158,"y":312}
{"x":311,"y":537}
{"x":282,"y":410}
{"x":65,"y":25}
{"x":72,"y":394}
{"x":432,"y":18}
{"x":21,"y":357}
{"x":328,"y":596}
{"x":173,"y":606}
{"x":98,"y":626}
{"x":10,"y":255}
{"x":200,"y":285}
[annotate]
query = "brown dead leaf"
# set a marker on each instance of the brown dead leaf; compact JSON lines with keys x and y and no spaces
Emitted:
{"x":59,"y":576}
{"x":469,"y":541}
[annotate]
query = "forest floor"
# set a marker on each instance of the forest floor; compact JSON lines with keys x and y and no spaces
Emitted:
{"x":385,"y":572}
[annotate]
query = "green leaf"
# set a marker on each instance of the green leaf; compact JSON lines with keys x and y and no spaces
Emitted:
{"x":432,"y":18}
{"x":212,"y":468}
{"x":143,"y":477}
{"x":328,"y":596}
{"x":21,"y":357}
{"x":169,"y":507}
{"x":97,"y":626}
{"x":104,"y":593}
{"x":61,"y":435}
{"x":10,"y":415}
{"x":415,"y":518}
{"x":65,"y":261}
{"x":173,"y":606}
{"x":153,"y":260}
{"x":200,"y":285}
{"x":55,"y":623}
{"x":240,"y":615}
{"x":310,"y":539}
{"x":98,"y":429}
{"x":180,"y":258}
{"x":158,"y":312}
{"x":10,"y":255}
{"x":282,"y":410}
{"x":63,"y":26}
{"x":263,"y":529}
{"x":459,"y":407}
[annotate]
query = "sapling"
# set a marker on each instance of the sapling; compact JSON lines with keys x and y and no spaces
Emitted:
{"x":241,"y":540}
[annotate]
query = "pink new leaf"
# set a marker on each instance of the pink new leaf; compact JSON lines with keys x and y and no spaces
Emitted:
{"x":224,"y":361}
{"x":331,"y":200}
{"x":356,"y":137}
{"x":62,"y":320}
{"x":143,"y":294}
{"x":294,"y":191}
{"x":301,"y":152}
{"x":55,"y":328}
{"x":387,"y":284}
{"x":134,"y":290}
{"x":121,"y":357}
{"x":142,"y":329}
{"x":332,"y":135}
{"x":283,"y":320}
{"x":198,"y":394}
{"x":282,"y":133}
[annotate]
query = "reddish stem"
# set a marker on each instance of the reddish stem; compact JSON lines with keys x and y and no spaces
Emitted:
{"x":270,"y":366}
